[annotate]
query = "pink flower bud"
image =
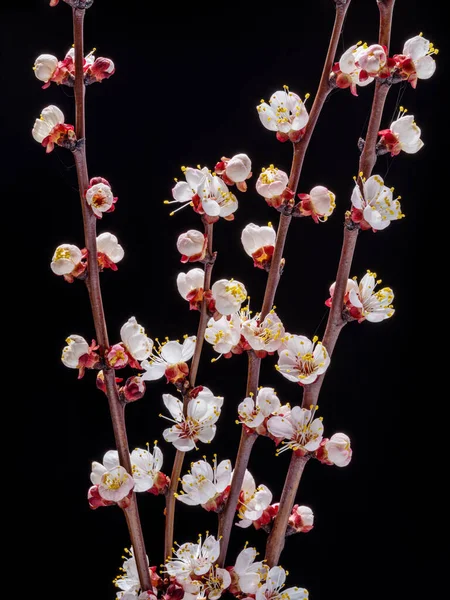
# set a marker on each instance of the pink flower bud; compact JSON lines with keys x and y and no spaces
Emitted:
{"x":134,"y":389}
{"x":95,"y":500}
{"x":160,"y":484}
{"x":192,"y":246}
{"x":301,"y":519}
{"x":102,"y":68}
{"x":372,"y":59}
{"x":174,"y":592}
{"x":117,"y":357}
{"x":339,"y":450}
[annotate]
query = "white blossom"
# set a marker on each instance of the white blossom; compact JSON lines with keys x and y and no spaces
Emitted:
{"x":271,"y":590}
{"x":100,"y":198}
{"x":403,"y":134}
{"x":76,"y":348}
{"x":265,"y":335}
{"x":272,"y":182}
{"x":113,"y":482}
{"x":203,"y":482}
{"x":255,"y":238}
{"x":253,"y":501}
{"x":193,"y":559}
{"x":252,"y":413}
{"x":190,"y":281}
{"x":135,"y":340}
{"x":224,"y":333}
{"x":319,"y":203}
{"x":370,"y":305}
{"x":51,"y":116}
{"x":420,"y":51}
{"x":198,"y":424}
{"x":216,"y":199}
{"x":216,"y":582}
{"x":377,"y":204}
{"x":145,"y":467}
{"x":302,"y":360}
{"x":349,"y":65}
{"x":191,"y":243}
{"x":338,"y":449}
{"x":65,"y":259}
{"x":249,"y":573}
{"x":168,"y":354}
{"x":303,"y":432}
{"x":128,"y":580}
{"x":108,"y":244}
{"x":238,"y":168}
{"x":286,"y":114}
{"x":228,"y":296}
{"x":44,"y":67}
{"x":372,"y":58}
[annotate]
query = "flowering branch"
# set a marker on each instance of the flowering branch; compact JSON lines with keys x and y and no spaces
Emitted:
{"x":299,"y":148}
{"x":179,"y":456}
{"x":117,"y":409}
{"x":336,"y":320}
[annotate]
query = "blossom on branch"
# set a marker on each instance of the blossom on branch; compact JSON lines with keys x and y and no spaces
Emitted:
{"x":235,"y":170}
{"x":224,"y":333}
{"x":100,"y":197}
{"x":376,"y":207}
{"x":169,"y":359}
{"x":136,"y":342}
{"x":206,"y":485}
{"x":203,"y":410}
{"x":335,"y":451}
{"x":271,"y":590}
{"x":363,"y":303}
{"x":44,"y":68}
{"x":69,"y":261}
{"x":191,"y":560}
{"x":50,"y":129}
{"x":259,"y":243}
{"x":286,"y":115}
{"x":319,"y":203}
{"x":228,"y":295}
{"x":253,"y":413}
{"x":403,"y":134}
{"x":253,"y":501}
{"x":266,"y":335}
{"x":272,"y":184}
{"x":372,"y":60}
{"x":114,"y":483}
{"x":348,"y":73}
{"x":146,"y":470}
{"x":79,"y":355}
{"x":301,"y":519}
{"x":192,"y":246}
{"x":416,"y":61}
{"x":303,"y":432}
{"x":128,"y":581}
{"x":190,"y":286}
{"x":216,"y":582}
{"x":246,"y":574}
{"x":302,"y":360}
{"x":109,"y":251}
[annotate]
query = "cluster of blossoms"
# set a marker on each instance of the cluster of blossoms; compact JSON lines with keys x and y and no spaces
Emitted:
{"x":49,"y":69}
{"x":207,"y":192}
{"x":112,"y":484}
{"x":361,"y":64}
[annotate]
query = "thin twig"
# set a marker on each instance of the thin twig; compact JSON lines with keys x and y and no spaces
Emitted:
{"x":95,"y":296}
{"x":335,"y":321}
{"x":299,"y":148}
{"x":179,"y":456}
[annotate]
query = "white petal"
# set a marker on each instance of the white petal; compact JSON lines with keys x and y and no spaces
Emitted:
{"x":182,"y":192}
{"x":280,"y":427}
{"x":416,"y":47}
{"x":267,"y":117}
{"x":174,"y":406}
{"x":172,"y":352}
{"x":153,"y":371}
{"x":425,"y":67}
{"x":111,"y":460}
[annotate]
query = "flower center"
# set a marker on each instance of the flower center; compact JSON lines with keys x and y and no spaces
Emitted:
{"x":62,"y":253}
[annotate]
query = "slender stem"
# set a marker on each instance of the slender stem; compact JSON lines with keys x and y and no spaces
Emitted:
{"x":335,"y":321}
{"x":299,"y":148}
{"x":93,"y":285}
{"x":179,"y":456}
{"x":275,"y":542}
{"x":248,"y":438}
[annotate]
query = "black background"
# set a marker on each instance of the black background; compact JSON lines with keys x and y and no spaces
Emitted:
{"x":185,"y":90}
